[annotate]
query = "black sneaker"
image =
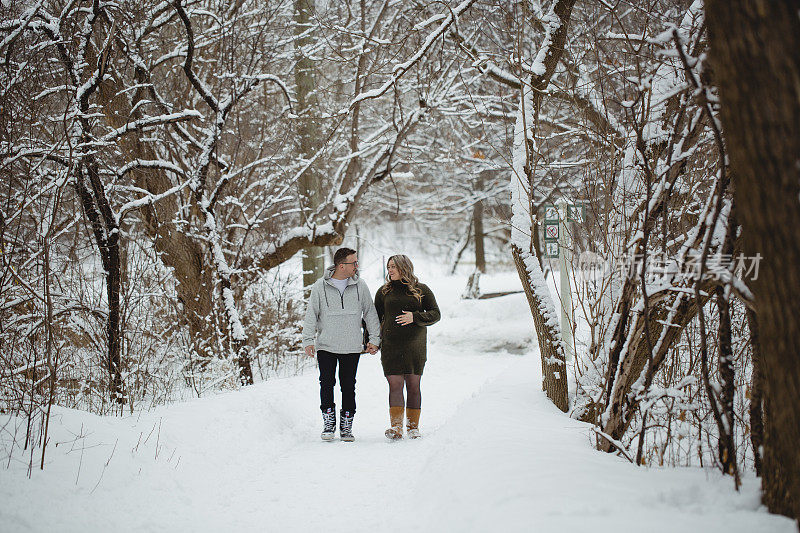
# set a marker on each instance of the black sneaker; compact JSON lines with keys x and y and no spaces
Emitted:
{"x":346,"y":426}
{"x":329,"y":423}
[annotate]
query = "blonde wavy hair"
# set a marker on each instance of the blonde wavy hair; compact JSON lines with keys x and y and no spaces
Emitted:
{"x":407,"y":277}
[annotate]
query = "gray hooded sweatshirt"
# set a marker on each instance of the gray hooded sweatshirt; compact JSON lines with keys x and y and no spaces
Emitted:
{"x":333,"y":318}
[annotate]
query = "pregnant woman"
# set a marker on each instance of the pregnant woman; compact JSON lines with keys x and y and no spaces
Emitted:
{"x":405,"y":308}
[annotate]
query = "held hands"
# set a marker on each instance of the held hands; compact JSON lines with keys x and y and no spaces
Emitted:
{"x":310,"y":351}
{"x":405,"y":318}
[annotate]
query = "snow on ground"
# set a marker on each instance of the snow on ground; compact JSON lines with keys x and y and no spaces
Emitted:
{"x":496,"y":455}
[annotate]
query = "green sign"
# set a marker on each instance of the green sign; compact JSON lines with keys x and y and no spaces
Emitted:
{"x":576,"y":213}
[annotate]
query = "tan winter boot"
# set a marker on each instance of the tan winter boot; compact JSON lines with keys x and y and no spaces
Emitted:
{"x":412,"y":423}
{"x":396,"y":417}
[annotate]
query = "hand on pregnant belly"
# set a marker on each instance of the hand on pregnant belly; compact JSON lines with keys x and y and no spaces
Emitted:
{"x":405,"y":318}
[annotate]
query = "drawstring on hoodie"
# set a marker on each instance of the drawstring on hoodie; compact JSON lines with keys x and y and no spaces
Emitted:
{"x":325,"y":291}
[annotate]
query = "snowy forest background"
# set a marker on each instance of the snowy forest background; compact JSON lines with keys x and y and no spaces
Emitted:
{"x":164,"y":163}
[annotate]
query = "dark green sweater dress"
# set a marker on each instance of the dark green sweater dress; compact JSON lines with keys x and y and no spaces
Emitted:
{"x":404,"y":348}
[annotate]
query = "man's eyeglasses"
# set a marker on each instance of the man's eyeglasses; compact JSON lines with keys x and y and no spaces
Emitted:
{"x":350,"y":263}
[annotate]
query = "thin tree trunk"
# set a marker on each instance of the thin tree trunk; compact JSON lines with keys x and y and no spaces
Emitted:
{"x":727,"y":446}
{"x":458,"y":248}
{"x":97,"y":208}
{"x":107,"y":241}
{"x":477,"y":218}
{"x":725,"y":363}
{"x":51,"y":366}
{"x":756,"y":392}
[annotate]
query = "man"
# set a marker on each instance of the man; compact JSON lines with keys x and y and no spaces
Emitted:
{"x":332,"y":327}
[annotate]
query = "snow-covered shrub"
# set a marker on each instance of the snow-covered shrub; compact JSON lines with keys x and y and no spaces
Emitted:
{"x":275,"y":310}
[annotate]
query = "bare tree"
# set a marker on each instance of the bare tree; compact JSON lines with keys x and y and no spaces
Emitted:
{"x":523,"y":184}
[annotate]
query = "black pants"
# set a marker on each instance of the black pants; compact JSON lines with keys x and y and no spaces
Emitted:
{"x":348,"y":364}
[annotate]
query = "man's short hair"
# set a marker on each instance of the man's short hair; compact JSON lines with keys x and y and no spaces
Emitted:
{"x":342,"y":254}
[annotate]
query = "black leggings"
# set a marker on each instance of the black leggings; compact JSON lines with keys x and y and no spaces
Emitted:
{"x":348,"y":364}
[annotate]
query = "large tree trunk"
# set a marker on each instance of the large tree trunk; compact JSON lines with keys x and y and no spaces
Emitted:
{"x":755,"y":54}
{"x":308,"y":132}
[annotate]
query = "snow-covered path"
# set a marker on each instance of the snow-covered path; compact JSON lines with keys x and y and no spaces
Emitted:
{"x":496,"y":455}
